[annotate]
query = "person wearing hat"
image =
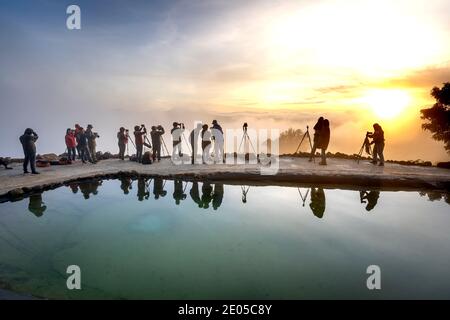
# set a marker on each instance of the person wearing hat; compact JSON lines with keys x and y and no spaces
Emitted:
{"x":92,"y":144}
{"x":177,"y":131}
{"x":217,"y":136}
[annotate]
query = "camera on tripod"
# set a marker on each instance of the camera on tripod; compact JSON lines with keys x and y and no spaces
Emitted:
{"x":244,"y":127}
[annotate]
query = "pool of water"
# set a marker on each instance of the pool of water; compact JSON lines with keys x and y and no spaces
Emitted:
{"x":165,"y":239}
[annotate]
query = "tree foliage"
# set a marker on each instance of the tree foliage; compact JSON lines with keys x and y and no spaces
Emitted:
{"x":438,"y":116}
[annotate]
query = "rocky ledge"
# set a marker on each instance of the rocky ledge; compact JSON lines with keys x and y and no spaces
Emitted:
{"x":339,"y":173}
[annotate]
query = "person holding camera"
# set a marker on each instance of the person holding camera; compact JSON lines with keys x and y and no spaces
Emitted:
{"x":155,"y":134}
{"x":122,"y":137}
{"x":177,"y":131}
{"x":139,"y":133}
{"x":28,"y":140}
{"x":92,"y":144}
{"x":378,"y":141}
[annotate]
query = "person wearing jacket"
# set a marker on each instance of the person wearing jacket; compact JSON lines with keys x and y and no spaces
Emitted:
{"x":206,"y":143}
{"x":378,"y":140}
{"x":217,"y":136}
{"x":83,"y":146}
{"x":71,"y":144}
{"x":28,"y":140}
{"x":122,"y":137}
{"x":77,"y":138}
{"x":155,"y":134}
{"x":92,"y":143}
{"x":324,"y":140}
{"x":139,"y":133}
{"x":317,"y":128}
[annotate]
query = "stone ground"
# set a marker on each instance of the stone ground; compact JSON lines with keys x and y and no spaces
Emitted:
{"x":298,"y":171}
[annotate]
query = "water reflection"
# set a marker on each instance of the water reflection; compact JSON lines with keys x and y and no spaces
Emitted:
{"x":317,"y":204}
{"x":370,"y":198}
{"x":36,"y":206}
{"x":211,"y":195}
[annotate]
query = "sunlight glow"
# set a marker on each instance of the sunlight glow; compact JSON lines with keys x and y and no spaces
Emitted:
{"x":387,"y":103}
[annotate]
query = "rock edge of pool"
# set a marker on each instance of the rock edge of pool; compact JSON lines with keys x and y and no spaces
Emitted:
{"x":339,"y":173}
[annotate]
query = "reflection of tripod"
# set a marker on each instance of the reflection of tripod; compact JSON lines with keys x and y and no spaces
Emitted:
{"x":303,"y":138}
{"x":303,"y":197}
{"x":246,"y":137}
{"x":365,"y":146}
{"x":244,"y":193}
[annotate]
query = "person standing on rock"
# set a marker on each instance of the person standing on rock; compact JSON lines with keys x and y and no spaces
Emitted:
{"x":156,"y":134}
{"x":324,"y":140}
{"x":206,"y":144}
{"x":377,"y":139}
{"x":139,"y":133}
{"x":92,"y":143}
{"x":217,"y":136}
{"x":28,"y":140}
{"x":122,"y":138}
{"x":317,"y":128}
{"x":83,"y":146}
{"x":77,"y":138}
{"x":193,"y":139}
{"x":177,"y":132}
{"x":71,"y":144}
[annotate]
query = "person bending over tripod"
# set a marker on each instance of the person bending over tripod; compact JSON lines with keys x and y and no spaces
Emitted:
{"x":378,"y":140}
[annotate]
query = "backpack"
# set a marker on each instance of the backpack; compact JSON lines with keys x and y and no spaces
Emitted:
{"x":147,"y":158}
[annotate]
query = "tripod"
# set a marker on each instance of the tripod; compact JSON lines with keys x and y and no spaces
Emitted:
{"x":165,"y":147}
{"x":310,"y":143}
{"x":366,"y":146}
{"x":129,"y":138}
{"x":246,"y":137}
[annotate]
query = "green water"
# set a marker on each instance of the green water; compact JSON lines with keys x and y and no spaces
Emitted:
{"x":160,"y":239}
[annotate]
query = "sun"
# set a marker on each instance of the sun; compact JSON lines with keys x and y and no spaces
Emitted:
{"x":387,"y":103}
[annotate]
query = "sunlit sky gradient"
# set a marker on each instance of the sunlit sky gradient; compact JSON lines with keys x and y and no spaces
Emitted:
{"x":274,"y":64}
